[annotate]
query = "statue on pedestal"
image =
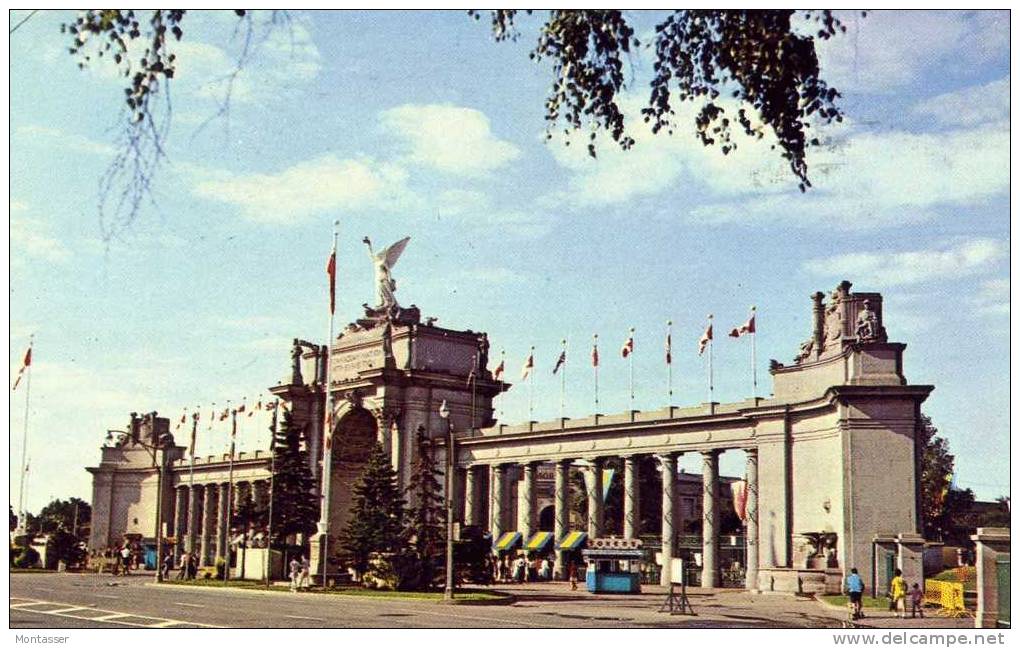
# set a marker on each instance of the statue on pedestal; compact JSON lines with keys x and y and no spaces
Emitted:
{"x":385,"y":286}
{"x":867,"y":324}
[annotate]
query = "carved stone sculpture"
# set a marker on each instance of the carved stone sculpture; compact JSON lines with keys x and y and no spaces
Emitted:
{"x":385,"y":287}
{"x":867,"y":324}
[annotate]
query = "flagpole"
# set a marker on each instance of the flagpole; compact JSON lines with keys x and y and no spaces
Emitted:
{"x":531,"y":386}
{"x":711,"y":385}
{"x":669,"y":363}
{"x":474,"y":391}
{"x":754,"y":358}
{"x":502,"y":363}
{"x":631,"y":357}
{"x":563,"y":379}
{"x":230,"y":492}
{"x":24,"y":441}
{"x":269,"y":523}
{"x":327,"y":456}
{"x":595,"y":365}
{"x":191,"y":474}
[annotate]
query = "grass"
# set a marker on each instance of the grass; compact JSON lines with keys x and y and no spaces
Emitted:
{"x":867,"y":602}
{"x":473,"y":595}
{"x":32,"y":570}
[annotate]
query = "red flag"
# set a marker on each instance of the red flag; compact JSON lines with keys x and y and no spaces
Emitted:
{"x":739,"y":488}
{"x":331,"y":271}
{"x":706,"y":337}
{"x":25,"y":364}
{"x":669,"y":346}
{"x":595,"y":352}
{"x":241,"y":408}
{"x":560,"y":361}
{"x":225,"y":414}
{"x":628,"y":346}
{"x":529,"y":364}
{"x":746,"y":327}
{"x":497,"y":374}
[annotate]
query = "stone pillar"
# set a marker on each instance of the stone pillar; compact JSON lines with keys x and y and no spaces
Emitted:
{"x":992,"y":555}
{"x":751,"y":580}
{"x":193,"y":521}
{"x":595,"y":501}
{"x":526,"y":521}
{"x":208,"y":520}
{"x":470,"y":503}
{"x":631,"y":498}
{"x":561,"y":500}
{"x":498,"y":478}
{"x":180,"y":521}
{"x":710,"y":521}
{"x":222,"y":521}
{"x":668,"y":463}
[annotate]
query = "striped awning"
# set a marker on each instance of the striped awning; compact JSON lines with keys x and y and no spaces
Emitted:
{"x":507,"y":541}
{"x":573,"y":540}
{"x":538,"y":541}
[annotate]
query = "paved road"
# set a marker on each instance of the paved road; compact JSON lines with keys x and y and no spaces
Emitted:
{"x":91,"y":601}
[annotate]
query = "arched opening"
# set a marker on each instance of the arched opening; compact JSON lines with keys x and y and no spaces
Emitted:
{"x":354,"y":438}
{"x":547,"y":518}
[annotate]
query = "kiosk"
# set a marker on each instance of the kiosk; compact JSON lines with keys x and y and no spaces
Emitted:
{"x":614,"y":565}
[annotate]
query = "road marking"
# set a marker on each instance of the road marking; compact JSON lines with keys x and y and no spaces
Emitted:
{"x":291,"y":616}
{"x":108,"y":616}
{"x":190,"y":605}
{"x":106,"y":596}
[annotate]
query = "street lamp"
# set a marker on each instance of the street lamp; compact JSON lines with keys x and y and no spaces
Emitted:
{"x":162,"y":442}
{"x":444,"y":413}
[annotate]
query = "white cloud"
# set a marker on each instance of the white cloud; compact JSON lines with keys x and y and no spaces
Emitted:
{"x":900,"y":268}
{"x":50,"y":136}
{"x":472,"y":208}
{"x":449,"y":138}
{"x":890,"y":49}
{"x":322,"y":184}
{"x":969,"y":106}
{"x":992,"y":297}
{"x":32,"y":239}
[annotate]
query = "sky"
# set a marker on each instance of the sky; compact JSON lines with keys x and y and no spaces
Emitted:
{"x":419,"y":124}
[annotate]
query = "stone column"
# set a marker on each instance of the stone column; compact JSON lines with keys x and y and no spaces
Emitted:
{"x":751,"y":579}
{"x":631,"y":498}
{"x":498,"y":475}
{"x":208,"y":520}
{"x":595,"y":500}
{"x":527,"y":500}
{"x":710,"y":521}
{"x":222,"y":521}
{"x":470,"y":503}
{"x":668,"y":463}
{"x":193,"y":521}
{"x":992,"y":555}
{"x":561,"y":500}
{"x":180,"y":521}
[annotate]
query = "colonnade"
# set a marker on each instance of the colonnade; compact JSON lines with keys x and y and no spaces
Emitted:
{"x":202,"y":516}
{"x":499,"y":506}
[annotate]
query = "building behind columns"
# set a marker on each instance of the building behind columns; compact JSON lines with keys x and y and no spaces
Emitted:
{"x":832,"y":467}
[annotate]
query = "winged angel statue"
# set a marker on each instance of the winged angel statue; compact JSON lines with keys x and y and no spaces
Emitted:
{"x":385,"y":286}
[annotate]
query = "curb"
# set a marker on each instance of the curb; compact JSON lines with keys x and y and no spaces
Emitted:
{"x":507,"y":599}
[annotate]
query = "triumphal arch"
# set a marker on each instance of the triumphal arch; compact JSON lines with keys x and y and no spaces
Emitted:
{"x":832,"y":465}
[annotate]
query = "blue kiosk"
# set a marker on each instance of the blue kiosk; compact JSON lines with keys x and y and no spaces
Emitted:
{"x":614,"y":565}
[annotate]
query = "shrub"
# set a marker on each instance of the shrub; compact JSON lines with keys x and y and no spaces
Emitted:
{"x":27,"y":557}
{"x":221,"y":568}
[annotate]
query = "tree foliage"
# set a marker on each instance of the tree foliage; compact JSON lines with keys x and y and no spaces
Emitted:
{"x":376,"y":523}
{"x":936,"y":478}
{"x":763,"y":59}
{"x":426,"y":516}
{"x":295,"y":506}
{"x":60,"y":514}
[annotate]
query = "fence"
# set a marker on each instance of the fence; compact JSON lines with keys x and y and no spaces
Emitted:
{"x":947,"y":595}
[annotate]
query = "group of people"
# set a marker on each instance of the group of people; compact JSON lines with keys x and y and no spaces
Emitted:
{"x":898,"y":595}
{"x":120,"y":559}
{"x":187,"y":568}
{"x":300,"y":573}
{"x":521,"y":569}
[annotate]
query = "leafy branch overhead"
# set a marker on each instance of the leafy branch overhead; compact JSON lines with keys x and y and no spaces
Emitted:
{"x":761,"y":59}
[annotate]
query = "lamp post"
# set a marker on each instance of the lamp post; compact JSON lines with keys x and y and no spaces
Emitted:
{"x":444,"y":413}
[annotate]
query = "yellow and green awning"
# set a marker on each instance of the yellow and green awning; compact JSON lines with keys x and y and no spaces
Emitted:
{"x":538,"y":541}
{"x":507,"y":541}
{"x":573,"y":540}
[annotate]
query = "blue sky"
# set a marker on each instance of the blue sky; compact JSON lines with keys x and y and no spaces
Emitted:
{"x":418,"y":124}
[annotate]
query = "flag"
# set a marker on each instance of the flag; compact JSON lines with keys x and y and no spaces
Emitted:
{"x":628,"y":346}
{"x":595,"y":352}
{"x":740,"y":499}
{"x":497,"y":374}
{"x":225,"y":414}
{"x":560,"y":361}
{"x":529,"y":364}
{"x":669,"y":346}
{"x":746,"y":327}
{"x":241,"y":408}
{"x":191,"y":446}
{"x":706,"y":337}
{"x":256,"y":406}
{"x":271,"y":405}
{"x":331,"y":271}
{"x":25,"y":364}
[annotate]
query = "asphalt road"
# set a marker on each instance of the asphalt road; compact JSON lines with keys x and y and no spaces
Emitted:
{"x":91,"y":601}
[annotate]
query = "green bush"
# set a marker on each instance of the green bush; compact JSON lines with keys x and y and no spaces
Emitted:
{"x":27,"y":557}
{"x":221,"y":568}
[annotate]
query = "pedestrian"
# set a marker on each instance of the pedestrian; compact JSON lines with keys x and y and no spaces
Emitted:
{"x":184,"y":568}
{"x":545,"y":572}
{"x":125,"y":555}
{"x":295,"y":573}
{"x":855,"y":590}
{"x":916,"y":601}
{"x":572,"y":575}
{"x":519,"y":569}
{"x":168,"y":563}
{"x":306,"y":573}
{"x":898,"y":594}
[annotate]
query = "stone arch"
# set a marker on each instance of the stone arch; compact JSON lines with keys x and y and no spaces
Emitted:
{"x":354,"y":439}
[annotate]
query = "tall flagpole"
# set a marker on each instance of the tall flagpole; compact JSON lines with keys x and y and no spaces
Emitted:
{"x":563,"y":379}
{"x":191,"y":481}
{"x":474,"y":391}
{"x":595,"y":365}
{"x":711,"y":384}
{"x":327,"y":457}
{"x":502,"y":363}
{"x":754,"y":359}
{"x":272,"y":482}
{"x":631,"y":357}
{"x":230,"y":491}
{"x":531,"y":386}
{"x":22,"y":519}
{"x":669,"y":363}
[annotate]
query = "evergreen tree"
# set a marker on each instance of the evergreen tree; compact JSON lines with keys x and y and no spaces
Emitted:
{"x":376,"y":523}
{"x":295,"y":505}
{"x":427,"y":516}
